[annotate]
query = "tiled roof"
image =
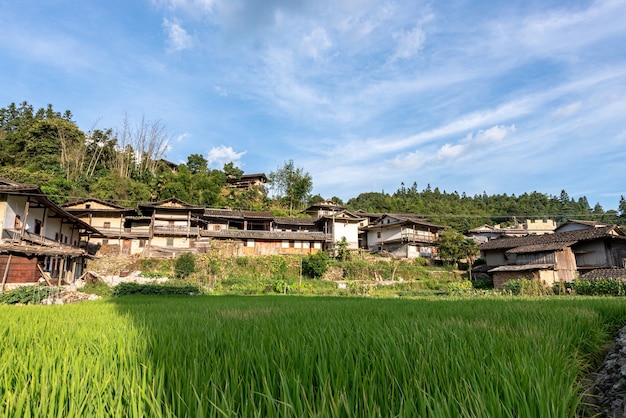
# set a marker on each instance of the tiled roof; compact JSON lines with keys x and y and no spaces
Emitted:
{"x":610,"y":273}
{"x":507,"y":243}
{"x":403,"y":217}
{"x":13,"y":186}
{"x":265,"y":235}
{"x":67,"y":205}
{"x":171,"y":203}
{"x":256,"y":215}
{"x":586,"y":223}
{"x":236,"y":214}
{"x":281,"y":220}
{"x":522,"y":267}
{"x":536,"y":248}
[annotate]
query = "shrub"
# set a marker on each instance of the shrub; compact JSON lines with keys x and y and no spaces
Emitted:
{"x":98,"y":288}
{"x":26,"y":295}
{"x":342,"y":253}
{"x":131,"y":288}
{"x":526,"y":287}
{"x":604,"y":287}
{"x":459,"y":286}
{"x":185,"y":265}
{"x":483,"y":283}
{"x":315,"y":265}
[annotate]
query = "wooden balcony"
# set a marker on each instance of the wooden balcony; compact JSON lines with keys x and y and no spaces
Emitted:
{"x":176,"y":230}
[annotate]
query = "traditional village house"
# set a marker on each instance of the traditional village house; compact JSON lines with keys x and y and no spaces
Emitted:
{"x":174,"y":226}
{"x":550,"y":258}
{"x":38,"y":239}
{"x":110,"y":220}
{"x":403,"y":235}
{"x":368,"y":218}
{"x":486,"y":232}
{"x":248,"y":181}
{"x":336,"y":222}
{"x":575,"y":225}
{"x":258,"y":233}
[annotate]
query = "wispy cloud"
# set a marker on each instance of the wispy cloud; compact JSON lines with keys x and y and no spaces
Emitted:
{"x":177,"y":38}
{"x":372,"y":93}
{"x":568,"y":110}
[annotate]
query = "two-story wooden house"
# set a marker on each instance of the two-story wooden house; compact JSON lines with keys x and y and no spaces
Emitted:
{"x":38,"y":239}
{"x":173,"y":226}
{"x":111,"y":222}
{"x":260,"y":233}
{"x":403,"y":235}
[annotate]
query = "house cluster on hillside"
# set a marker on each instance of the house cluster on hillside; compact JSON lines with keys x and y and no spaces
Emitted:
{"x":41,"y":240}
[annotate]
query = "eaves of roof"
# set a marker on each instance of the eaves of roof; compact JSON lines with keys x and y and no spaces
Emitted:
{"x":522,"y":267}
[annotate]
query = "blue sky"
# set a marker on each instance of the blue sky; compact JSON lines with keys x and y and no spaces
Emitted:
{"x":468,"y":96}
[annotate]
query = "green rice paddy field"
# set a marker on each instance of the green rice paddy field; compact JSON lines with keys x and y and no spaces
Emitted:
{"x":302,"y":356}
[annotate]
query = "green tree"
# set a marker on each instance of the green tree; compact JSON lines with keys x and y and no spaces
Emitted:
{"x":291,"y":184}
{"x":197,"y":163}
{"x":120,"y":189}
{"x":450,"y":245}
{"x":469,"y":249}
{"x":342,"y":253}
{"x":232,"y":171}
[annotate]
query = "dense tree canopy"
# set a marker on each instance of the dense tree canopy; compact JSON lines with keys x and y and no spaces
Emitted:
{"x":464,"y":212}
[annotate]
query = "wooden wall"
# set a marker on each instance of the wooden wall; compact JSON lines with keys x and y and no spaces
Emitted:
{"x":21,"y":270}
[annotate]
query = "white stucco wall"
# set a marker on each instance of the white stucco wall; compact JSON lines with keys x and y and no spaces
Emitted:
{"x":348,"y":230}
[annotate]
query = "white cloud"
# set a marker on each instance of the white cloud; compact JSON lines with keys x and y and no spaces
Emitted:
{"x":316,"y":43}
{"x":222,"y":155}
{"x":565,"y":111}
{"x":494,"y":134}
{"x":449,"y":151}
{"x":469,"y":145}
{"x":409,"y":43}
{"x":177,"y":38}
{"x":182,"y":137}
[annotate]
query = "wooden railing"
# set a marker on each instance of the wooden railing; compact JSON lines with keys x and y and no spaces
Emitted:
{"x":176,"y":230}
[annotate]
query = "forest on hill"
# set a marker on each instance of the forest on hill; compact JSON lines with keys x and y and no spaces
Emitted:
{"x":126,"y":165}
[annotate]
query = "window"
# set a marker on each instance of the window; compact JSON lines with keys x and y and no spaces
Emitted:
{"x":105,"y":241}
{"x":107,"y":225}
{"x":38,"y":227}
{"x":88,"y":206}
{"x":142,"y":243}
{"x":378,"y":234}
{"x":169,"y":242}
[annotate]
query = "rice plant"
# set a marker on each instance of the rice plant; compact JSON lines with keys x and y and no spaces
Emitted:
{"x":302,"y":356}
